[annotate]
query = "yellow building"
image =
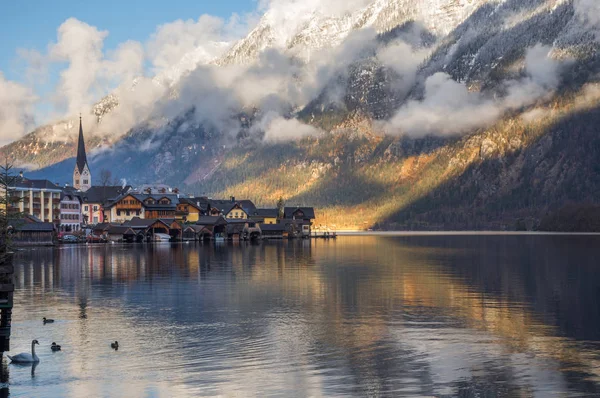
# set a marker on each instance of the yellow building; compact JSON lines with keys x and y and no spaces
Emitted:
{"x":241,"y":209}
{"x":190,"y":209}
{"x":268,"y":215}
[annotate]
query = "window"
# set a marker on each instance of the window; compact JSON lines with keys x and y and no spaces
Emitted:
{"x":85,"y":182}
{"x":95,"y":208}
{"x":127,"y":213}
{"x":76,"y":182}
{"x":85,"y":208}
{"x":95,"y":220}
{"x":118,"y":212}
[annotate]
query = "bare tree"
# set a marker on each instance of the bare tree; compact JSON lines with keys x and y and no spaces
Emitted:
{"x":8,"y":211}
{"x":105,"y":177}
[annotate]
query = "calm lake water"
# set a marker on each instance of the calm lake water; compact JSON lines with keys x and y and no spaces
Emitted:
{"x":470,"y":316}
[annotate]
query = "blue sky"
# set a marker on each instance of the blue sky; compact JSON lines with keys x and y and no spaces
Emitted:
{"x":32,"y":24}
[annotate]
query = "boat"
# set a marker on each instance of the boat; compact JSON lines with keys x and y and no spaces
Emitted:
{"x":161,"y":238}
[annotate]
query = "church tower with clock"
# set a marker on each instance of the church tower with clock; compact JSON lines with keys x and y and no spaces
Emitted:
{"x":82,"y":176}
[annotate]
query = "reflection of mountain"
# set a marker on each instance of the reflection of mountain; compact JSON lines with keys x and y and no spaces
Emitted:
{"x":430,"y":315}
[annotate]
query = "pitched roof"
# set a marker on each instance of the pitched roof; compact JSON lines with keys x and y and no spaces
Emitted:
{"x":225,"y":206}
{"x":200,"y":203}
{"x":137,"y":222}
{"x":211,"y":220}
{"x":35,"y":227}
{"x":271,"y":213}
{"x":81,"y":157}
{"x":120,"y":229}
{"x":69,"y":195}
{"x":101,"y":226}
{"x":195,"y":228}
{"x":103,"y":194}
{"x":21,"y":182}
{"x":273,"y":227}
{"x":309,"y":212}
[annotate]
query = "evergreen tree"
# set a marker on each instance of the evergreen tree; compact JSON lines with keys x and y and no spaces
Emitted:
{"x":280,"y":208}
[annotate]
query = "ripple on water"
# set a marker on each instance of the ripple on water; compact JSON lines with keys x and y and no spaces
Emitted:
{"x":365,"y":316}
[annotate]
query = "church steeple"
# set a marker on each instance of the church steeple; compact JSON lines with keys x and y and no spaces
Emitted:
{"x":81,"y":157}
{"x":82,"y":176}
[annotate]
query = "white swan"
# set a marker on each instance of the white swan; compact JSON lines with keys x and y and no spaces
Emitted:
{"x":26,"y":357}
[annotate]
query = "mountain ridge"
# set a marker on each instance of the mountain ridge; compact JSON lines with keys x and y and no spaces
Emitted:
{"x":488,"y":51}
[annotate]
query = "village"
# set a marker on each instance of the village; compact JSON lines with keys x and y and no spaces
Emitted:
{"x":83,"y":212}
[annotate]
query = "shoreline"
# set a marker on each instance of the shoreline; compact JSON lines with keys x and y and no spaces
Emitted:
{"x":460,"y":233}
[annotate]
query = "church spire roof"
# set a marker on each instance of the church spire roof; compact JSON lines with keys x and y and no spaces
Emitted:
{"x":81,"y":157}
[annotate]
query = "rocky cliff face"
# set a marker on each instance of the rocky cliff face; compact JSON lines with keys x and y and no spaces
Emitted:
{"x":531,"y":158}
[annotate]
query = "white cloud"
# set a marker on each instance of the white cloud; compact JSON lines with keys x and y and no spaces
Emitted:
{"x":279,"y":129}
{"x":16,"y":110}
{"x":80,"y":45}
{"x":448,"y":107}
{"x":588,"y":12}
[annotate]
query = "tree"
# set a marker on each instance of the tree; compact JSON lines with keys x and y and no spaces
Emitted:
{"x":105,"y":177}
{"x":8,"y":212}
{"x":280,"y":208}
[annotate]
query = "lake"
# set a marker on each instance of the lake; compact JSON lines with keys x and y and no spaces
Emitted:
{"x":422,"y":315}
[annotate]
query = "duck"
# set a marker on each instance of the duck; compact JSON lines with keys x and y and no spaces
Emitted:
{"x":55,"y":347}
{"x":48,"y":320}
{"x":115,"y":345}
{"x":26,"y":357}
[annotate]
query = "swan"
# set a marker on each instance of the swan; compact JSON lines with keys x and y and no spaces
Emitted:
{"x":26,"y":357}
{"x":48,"y":320}
{"x":115,"y":345}
{"x":55,"y":347}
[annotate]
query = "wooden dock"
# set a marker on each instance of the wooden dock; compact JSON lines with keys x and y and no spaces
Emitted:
{"x":7,"y":288}
{"x":323,"y":235}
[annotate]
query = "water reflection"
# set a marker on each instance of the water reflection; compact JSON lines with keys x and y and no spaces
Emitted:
{"x":418,"y":316}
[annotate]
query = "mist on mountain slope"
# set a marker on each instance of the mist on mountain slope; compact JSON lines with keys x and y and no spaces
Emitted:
{"x":278,"y":83}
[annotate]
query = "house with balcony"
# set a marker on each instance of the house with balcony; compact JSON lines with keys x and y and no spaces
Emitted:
{"x":159,"y":205}
{"x":96,"y":198}
{"x":124,"y":208}
{"x":38,"y":198}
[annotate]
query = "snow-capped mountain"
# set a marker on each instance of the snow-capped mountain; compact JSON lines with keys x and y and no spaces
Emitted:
{"x":302,"y":34}
{"x":511,"y":65}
